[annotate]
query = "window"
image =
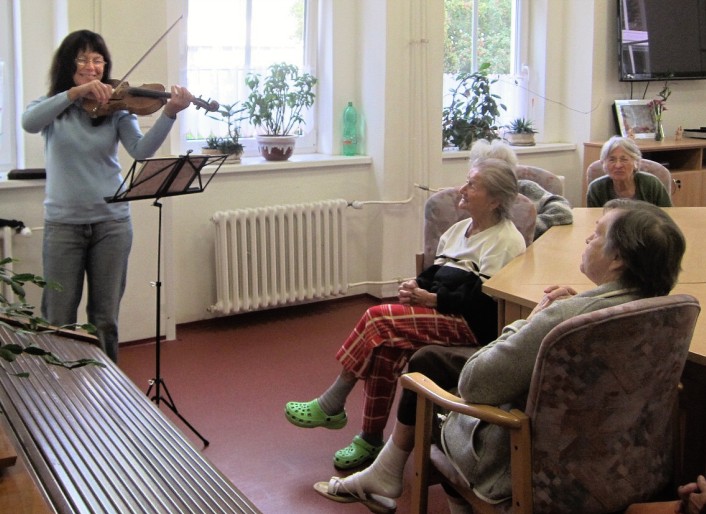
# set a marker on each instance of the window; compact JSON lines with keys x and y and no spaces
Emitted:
{"x":480,"y":31}
{"x":247,"y":36}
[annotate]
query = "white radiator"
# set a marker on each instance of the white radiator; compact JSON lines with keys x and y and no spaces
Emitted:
{"x":279,"y":255}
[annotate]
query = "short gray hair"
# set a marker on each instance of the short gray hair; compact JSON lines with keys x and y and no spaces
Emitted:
{"x":498,"y":178}
{"x":627,"y":144}
{"x":497,"y":149}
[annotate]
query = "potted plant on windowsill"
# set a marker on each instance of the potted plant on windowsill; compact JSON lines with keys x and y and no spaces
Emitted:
{"x":520,"y":132}
{"x":276,"y":105}
{"x":232,"y":115}
{"x":473,"y":111}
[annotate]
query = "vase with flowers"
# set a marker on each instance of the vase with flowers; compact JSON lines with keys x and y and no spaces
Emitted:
{"x":658,"y":106}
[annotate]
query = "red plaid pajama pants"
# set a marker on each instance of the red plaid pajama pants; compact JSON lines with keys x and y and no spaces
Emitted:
{"x":378,"y":348}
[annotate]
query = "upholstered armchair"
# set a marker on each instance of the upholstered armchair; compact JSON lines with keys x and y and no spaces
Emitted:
{"x":544,"y":178}
{"x":598,"y":430}
{"x":441,"y":211}
{"x":595,"y":170}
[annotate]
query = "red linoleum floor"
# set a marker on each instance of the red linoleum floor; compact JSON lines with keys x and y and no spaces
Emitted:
{"x":230,"y":378}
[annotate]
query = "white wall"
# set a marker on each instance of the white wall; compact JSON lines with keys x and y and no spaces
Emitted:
{"x":8,"y":145}
{"x":386,"y":57}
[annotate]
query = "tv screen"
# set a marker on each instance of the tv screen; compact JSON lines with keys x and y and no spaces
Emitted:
{"x":662,"y":39}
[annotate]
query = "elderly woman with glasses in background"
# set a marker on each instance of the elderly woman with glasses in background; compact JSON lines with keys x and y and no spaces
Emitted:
{"x":621,"y":157}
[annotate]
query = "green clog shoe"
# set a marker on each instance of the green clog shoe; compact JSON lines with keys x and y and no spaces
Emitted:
{"x":356,"y":454}
{"x":310,"y":415}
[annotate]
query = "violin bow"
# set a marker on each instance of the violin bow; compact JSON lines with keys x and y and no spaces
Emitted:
{"x":149,"y":50}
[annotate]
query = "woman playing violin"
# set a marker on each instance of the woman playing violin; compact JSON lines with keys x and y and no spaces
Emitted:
{"x":83,"y":234}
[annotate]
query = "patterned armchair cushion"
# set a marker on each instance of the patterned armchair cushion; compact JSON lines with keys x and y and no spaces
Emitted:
{"x":601,"y":431}
{"x":544,"y":178}
{"x":524,"y":216}
{"x":441,"y":211}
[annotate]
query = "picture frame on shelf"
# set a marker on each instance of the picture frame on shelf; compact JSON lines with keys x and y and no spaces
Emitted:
{"x":635,"y":118}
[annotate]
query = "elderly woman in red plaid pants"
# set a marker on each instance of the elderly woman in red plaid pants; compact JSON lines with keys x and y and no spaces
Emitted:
{"x":444,"y":305}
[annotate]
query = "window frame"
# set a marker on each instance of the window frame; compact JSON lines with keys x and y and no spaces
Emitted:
{"x":307,"y":142}
{"x":518,"y":78}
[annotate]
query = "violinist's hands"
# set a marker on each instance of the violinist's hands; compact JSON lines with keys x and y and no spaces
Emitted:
{"x":180,"y":100}
{"x":410,"y":293}
{"x":693,"y":497}
{"x":95,"y":90}
{"x":552,"y":294}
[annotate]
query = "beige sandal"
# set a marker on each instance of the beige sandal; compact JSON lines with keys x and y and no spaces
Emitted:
{"x":337,"y":491}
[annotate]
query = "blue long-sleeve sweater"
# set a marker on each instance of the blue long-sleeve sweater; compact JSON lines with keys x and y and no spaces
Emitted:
{"x":82,"y":160}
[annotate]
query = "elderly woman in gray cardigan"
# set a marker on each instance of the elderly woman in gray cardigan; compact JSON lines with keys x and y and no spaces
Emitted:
{"x":634,"y":252}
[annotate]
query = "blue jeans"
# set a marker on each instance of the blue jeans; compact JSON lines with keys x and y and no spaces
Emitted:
{"x":100,"y":252}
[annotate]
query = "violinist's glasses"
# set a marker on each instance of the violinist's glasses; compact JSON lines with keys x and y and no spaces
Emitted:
{"x":82,"y":61}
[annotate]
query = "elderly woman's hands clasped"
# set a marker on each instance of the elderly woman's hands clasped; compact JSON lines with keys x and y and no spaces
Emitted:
{"x":410,"y":293}
{"x":551,"y":295}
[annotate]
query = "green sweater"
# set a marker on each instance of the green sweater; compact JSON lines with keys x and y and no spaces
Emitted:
{"x":647,"y":187}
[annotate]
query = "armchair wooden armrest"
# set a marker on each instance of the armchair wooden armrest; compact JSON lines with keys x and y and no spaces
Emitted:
{"x":427,"y":388}
{"x":430,"y":394}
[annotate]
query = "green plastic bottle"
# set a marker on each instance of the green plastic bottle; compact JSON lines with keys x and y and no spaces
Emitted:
{"x":350,"y":130}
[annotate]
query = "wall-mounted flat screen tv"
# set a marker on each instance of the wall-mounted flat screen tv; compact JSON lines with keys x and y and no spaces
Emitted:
{"x":662,"y":39}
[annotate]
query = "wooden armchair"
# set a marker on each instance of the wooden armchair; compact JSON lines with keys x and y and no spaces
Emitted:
{"x":597,"y":433}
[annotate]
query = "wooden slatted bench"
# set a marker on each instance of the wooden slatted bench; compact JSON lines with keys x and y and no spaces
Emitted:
{"x":93,"y":443}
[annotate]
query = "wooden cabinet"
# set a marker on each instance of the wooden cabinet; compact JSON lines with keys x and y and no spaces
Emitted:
{"x":688,"y":188}
{"x":685,"y":159}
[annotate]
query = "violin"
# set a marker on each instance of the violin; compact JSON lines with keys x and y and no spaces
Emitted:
{"x":143,"y":100}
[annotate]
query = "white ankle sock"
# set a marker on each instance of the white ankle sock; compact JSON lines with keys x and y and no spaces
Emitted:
{"x":384,"y":475}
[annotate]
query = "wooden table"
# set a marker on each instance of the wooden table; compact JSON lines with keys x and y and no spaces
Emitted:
{"x":554,"y":259}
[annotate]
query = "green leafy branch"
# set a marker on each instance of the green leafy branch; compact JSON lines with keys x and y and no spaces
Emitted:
{"x":19,"y":318}
{"x":473,"y":111}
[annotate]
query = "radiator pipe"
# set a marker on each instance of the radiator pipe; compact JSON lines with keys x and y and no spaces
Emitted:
{"x":358,"y":204}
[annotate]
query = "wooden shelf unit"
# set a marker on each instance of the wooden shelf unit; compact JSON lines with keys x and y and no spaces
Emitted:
{"x":685,"y":159}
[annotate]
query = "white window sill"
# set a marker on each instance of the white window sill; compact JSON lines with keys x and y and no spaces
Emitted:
{"x":309,"y":161}
{"x":519,"y":150}
{"x":20,"y":184}
{"x":302,"y":161}
{"x":247,"y":164}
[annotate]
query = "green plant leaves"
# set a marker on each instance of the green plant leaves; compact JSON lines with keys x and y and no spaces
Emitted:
{"x":277,"y":101}
{"x":521,"y":126}
{"x":23,"y":313}
{"x":473,"y":111}
{"x":232,"y":115}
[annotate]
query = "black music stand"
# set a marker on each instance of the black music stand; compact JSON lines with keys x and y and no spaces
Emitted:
{"x":156,"y":178}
